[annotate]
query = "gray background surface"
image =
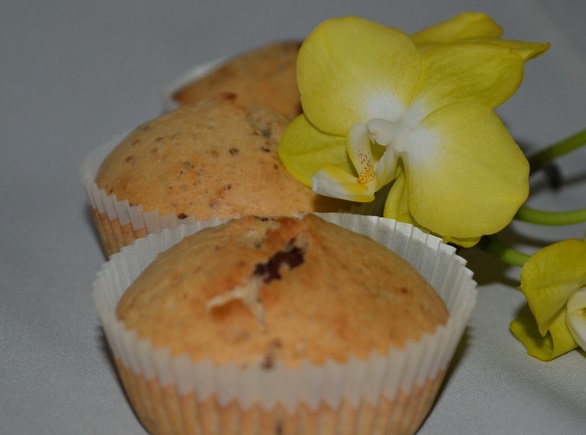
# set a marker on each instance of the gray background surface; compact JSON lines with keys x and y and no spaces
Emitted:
{"x":74,"y":73}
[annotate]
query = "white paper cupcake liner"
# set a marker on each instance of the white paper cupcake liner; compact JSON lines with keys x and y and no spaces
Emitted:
{"x":399,"y":372}
{"x":110,"y":205}
{"x":118,"y":222}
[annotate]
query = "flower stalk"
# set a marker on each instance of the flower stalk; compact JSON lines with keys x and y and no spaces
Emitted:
{"x":506,"y":254}
{"x":551,"y":218}
{"x":558,"y":149}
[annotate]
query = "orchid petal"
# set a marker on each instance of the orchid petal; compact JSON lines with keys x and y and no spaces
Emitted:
{"x":397,"y":207}
{"x":464,"y":242}
{"x":304,"y":150}
{"x":486,"y":73}
{"x":466,"y":25}
{"x":551,"y":276}
{"x":527,"y":50}
{"x":554,"y":343}
{"x":350,"y":70}
{"x":474,"y":27}
{"x":452,"y":163}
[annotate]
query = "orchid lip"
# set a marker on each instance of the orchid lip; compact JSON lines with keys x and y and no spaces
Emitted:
{"x":360,"y":138}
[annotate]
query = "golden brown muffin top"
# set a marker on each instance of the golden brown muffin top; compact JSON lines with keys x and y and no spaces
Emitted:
{"x":216,"y":158}
{"x":262,"y":76}
{"x":262,"y":290}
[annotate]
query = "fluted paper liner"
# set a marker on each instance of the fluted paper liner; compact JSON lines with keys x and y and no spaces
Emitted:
{"x":118,"y":222}
{"x":379,"y":376}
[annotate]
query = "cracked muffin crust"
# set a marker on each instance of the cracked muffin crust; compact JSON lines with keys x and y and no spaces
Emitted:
{"x":262,"y":291}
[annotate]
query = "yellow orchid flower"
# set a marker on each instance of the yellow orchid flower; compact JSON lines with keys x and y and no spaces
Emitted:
{"x":380,"y":108}
{"x":553,"y":281}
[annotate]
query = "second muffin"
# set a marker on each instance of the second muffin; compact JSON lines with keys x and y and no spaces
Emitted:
{"x":214,"y":159}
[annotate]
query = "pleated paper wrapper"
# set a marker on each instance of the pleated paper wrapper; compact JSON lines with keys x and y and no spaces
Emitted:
{"x":119,"y":223}
{"x":389,"y":393}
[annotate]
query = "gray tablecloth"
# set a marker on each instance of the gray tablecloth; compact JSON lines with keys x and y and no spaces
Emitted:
{"x":74,"y":73}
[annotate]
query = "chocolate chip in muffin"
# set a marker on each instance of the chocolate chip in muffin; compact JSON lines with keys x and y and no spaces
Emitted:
{"x":292,"y":256}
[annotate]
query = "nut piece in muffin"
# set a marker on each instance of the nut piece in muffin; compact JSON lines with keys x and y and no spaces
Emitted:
{"x":214,"y":159}
{"x":262,"y":76}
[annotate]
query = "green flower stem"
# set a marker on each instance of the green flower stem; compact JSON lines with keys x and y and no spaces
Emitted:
{"x":528,"y":214}
{"x":558,"y":149}
{"x":493,"y":246}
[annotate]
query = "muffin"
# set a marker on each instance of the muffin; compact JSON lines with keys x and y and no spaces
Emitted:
{"x":264,"y":76}
{"x":284,"y":325}
{"x":216,"y":158}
